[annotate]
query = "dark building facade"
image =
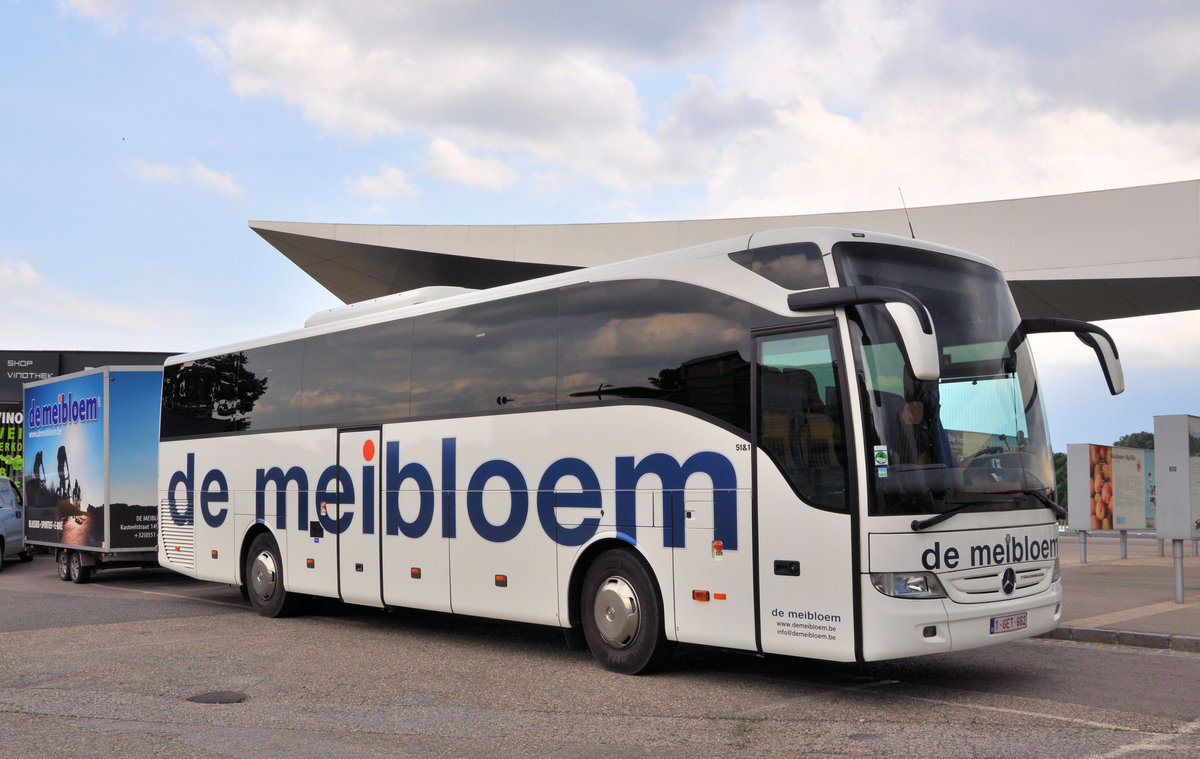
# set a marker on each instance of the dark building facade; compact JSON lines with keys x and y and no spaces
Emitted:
{"x":19,"y":367}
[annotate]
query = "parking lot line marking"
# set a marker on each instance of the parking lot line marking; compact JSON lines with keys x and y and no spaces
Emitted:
{"x":1125,"y":615}
{"x":1018,"y":712}
{"x":171,"y":595}
{"x":1154,"y":743}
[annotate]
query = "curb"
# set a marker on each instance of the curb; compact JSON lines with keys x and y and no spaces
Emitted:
{"x":1186,"y":643}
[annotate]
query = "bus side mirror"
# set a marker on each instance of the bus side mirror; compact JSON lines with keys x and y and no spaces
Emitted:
{"x":911,"y":318}
{"x":1090,"y":335}
{"x":924,"y":356}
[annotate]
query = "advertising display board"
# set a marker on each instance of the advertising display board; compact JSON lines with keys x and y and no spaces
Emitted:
{"x":1177,"y":442}
{"x":1110,"y":488}
{"x":12,"y":438}
{"x":91,"y":459}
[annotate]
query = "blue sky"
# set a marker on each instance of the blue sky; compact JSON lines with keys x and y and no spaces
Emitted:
{"x":140,"y":137}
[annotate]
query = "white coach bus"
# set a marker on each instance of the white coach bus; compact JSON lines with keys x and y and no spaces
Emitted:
{"x":810,"y":442}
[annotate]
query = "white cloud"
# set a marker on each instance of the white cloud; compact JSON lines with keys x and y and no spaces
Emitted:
{"x":872,"y":95}
{"x":40,"y":310}
{"x":1159,"y":356}
{"x":194,"y":173}
{"x":108,"y":14}
{"x":769,"y":106}
{"x":449,"y":161}
{"x":18,"y":274}
{"x":390,"y":183}
{"x":155,"y":172}
{"x":221,"y":181}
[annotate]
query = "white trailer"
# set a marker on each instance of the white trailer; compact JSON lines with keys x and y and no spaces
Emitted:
{"x":91,"y":459}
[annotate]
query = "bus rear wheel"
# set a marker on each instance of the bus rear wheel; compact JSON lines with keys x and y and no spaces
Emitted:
{"x":622,"y":615}
{"x":264,"y":579}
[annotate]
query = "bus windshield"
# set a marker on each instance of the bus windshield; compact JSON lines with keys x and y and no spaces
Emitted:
{"x":977,"y":436}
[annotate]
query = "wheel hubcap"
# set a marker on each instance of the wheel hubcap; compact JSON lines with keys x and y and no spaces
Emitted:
{"x":617,"y":612}
{"x":262,"y":575}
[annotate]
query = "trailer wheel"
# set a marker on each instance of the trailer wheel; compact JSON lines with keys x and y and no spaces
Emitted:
{"x":64,"y":572}
{"x":264,"y":579}
{"x":26,"y":555}
{"x":622,"y":615}
{"x":79,"y":573}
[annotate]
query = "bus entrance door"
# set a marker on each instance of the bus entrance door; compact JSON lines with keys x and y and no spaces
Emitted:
{"x":806,"y":569}
{"x":357,"y":516}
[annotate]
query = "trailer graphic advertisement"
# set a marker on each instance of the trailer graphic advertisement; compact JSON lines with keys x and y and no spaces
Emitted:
{"x":64,"y":469}
{"x":91,"y":459}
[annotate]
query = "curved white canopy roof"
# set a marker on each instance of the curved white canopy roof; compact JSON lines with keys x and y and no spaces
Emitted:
{"x":1093,"y":255}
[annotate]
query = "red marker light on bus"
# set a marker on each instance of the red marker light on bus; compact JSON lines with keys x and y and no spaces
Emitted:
{"x":699,"y":595}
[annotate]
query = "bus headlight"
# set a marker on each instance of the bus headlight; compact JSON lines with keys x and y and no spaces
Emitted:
{"x":908,"y":584}
{"x":1057,"y":572}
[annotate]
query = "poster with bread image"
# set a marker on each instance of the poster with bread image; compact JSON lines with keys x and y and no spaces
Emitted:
{"x":1100,"y":463}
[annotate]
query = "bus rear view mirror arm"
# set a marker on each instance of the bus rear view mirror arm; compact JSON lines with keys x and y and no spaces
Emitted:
{"x":910,"y":317}
{"x":1090,"y":335}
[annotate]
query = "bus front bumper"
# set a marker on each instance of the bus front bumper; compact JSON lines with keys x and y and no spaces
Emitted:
{"x":899,"y":627}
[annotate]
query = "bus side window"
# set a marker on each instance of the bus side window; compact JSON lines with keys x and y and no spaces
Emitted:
{"x":798,"y":427}
{"x":488,"y":357}
{"x":653,"y":340}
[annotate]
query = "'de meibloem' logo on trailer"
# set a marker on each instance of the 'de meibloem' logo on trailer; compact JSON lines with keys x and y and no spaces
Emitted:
{"x":67,"y":409}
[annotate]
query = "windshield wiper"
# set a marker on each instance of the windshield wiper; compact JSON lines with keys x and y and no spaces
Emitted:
{"x":978,"y":499}
{"x":920,"y":524}
{"x":1044,"y":499}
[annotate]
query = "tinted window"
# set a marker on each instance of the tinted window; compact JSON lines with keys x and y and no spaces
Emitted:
{"x":658,"y":340}
{"x":800,"y":416}
{"x":495,"y":356}
{"x":796,"y":266}
{"x":358,"y":376}
{"x":203,"y":397}
{"x":270,"y":384}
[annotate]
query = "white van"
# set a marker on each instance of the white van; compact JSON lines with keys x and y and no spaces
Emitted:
{"x":12,"y":532}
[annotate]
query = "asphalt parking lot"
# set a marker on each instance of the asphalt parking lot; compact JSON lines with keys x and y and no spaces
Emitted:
{"x":107,"y":669}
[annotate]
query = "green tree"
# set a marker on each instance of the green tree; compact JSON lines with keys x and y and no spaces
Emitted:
{"x":1060,"y":478}
{"x":1136,"y":440}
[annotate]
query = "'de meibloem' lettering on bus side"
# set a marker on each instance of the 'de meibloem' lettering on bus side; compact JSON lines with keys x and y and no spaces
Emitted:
{"x":628,"y":472}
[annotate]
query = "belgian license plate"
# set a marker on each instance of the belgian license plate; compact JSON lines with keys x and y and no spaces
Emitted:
{"x":1010,"y":622}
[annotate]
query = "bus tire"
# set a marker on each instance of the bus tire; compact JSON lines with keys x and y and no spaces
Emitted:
{"x":79,"y":573}
{"x":264,"y":579}
{"x":60,"y":560}
{"x":622,"y":615}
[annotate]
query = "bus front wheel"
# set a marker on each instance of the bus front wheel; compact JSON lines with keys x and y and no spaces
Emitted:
{"x":622,"y":614}
{"x":264,"y":579}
